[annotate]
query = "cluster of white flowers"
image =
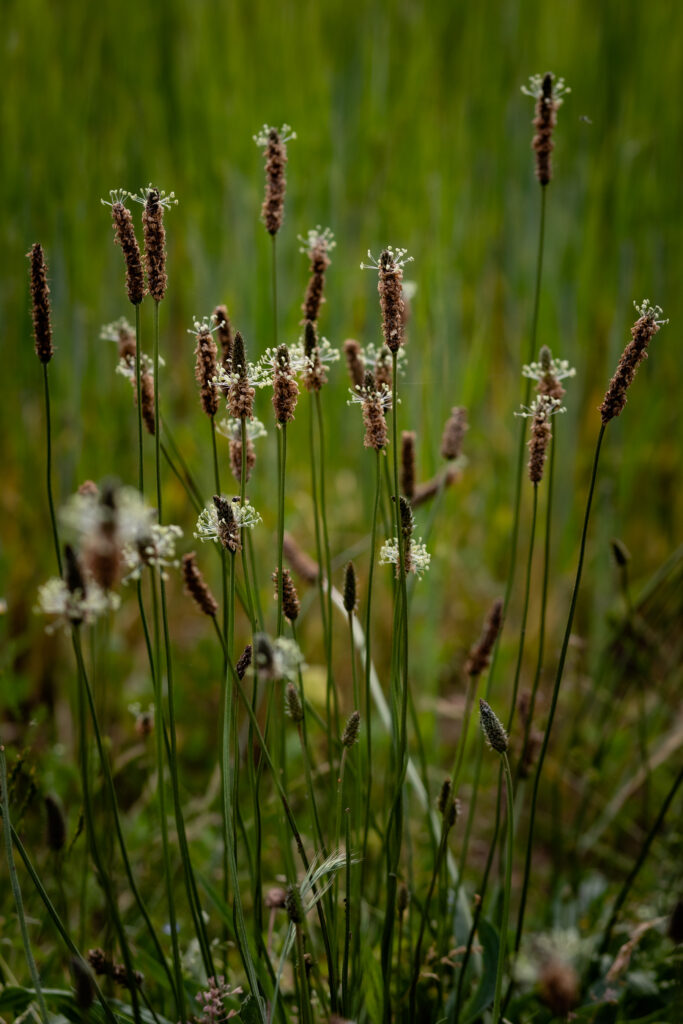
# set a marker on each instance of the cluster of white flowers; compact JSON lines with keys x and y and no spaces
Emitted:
{"x":207,"y":527}
{"x":277,"y":659}
{"x":316,"y":238}
{"x":397,"y":256}
{"x":67,"y":608}
{"x":126,"y":367}
{"x":155,"y":548}
{"x":535,"y":88}
{"x":543,"y":405}
{"x":285,"y":132}
{"x":207,"y":325}
{"x":418,"y":559}
{"x":653,"y":313}
{"x":360,"y":395}
{"x":557,"y":368}
{"x":167,"y":201}
{"x":112,"y":331}
{"x":232,"y":429}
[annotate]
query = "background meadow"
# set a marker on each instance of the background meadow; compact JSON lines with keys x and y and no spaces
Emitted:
{"x":411,"y":130}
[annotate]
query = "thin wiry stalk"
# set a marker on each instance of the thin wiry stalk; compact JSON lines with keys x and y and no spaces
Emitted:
{"x":368,"y":663}
{"x":181,"y":479}
{"x":525,"y":611}
{"x":502,"y":948}
{"x":138,"y":391}
{"x":109,"y":781}
{"x":345,"y":1008}
{"x":274,"y":289}
{"x":243,"y":494}
{"x":328,"y":562}
{"x":628,"y":882}
{"x":319,"y":555}
{"x":56,"y":920}
{"x":224,"y":568}
{"x":188,"y":480}
{"x":282,"y":464}
{"x":544,"y":603}
{"x":515,"y":530}
{"x":48,"y":468}
{"x":161,"y":794}
{"x":556,"y":691}
{"x":400,"y":676}
{"x":423,"y":922}
{"x":91,"y":831}
{"x":303,"y":738}
{"x":16,"y":888}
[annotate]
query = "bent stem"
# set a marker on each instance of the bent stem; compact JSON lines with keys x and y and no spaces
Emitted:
{"x":328,"y":562}
{"x":16,"y":889}
{"x":506,"y":898}
{"x":368,"y":663}
{"x":48,"y":469}
{"x":556,"y":690}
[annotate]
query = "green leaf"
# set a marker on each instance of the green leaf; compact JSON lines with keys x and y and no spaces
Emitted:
{"x":249,"y":1011}
{"x":488,"y":936}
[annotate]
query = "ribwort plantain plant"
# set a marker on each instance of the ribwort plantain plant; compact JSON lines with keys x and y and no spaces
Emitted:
{"x":309,"y":876}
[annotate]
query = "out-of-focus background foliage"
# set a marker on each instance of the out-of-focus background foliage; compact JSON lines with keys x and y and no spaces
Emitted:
{"x":411,"y":130}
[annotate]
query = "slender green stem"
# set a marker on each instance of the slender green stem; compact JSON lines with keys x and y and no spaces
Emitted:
{"x":161,"y":795}
{"x":48,"y":469}
{"x":138,"y":393}
{"x":243,"y":498}
{"x":345,"y":1008}
{"x":224,"y":567}
{"x":319,"y":555}
{"x":282,"y":465}
{"x":525,"y":611}
{"x":274,"y":288}
{"x":368,"y":664}
{"x":556,"y":690}
{"x":424,"y":916}
{"x":502,"y":948}
{"x":16,"y":889}
{"x":328,"y":562}
{"x":640,"y":860}
{"x":91,"y":830}
{"x":462,"y":741}
{"x":400,"y":707}
{"x":186,"y":478}
{"x":544,"y":604}
{"x":109,"y":781}
{"x":56,"y":920}
{"x":304,"y":997}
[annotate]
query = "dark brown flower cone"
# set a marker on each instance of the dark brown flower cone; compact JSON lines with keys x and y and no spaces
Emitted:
{"x":354,"y":362}
{"x":390,"y":290}
{"x":633,"y":355}
{"x":544,"y":123}
{"x":147,"y":392}
{"x":314,"y":298}
{"x":315,"y":375}
{"x":127,"y":345}
{"x":240,"y":393}
{"x":40,"y":304}
{"x":376,"y":434}
{"x":454,"y":433}
{"x":155,"y":245}
{"x":383,"y":370}
{"x":290,"y":599}
{"x":407,"y":482}
{"x":225,"y":336}
{"x":228,"y":530}
{"x":302,"y":564}
{"x":285,"y":387}
{"x":480,"y":655}
{"x":206,"y":369}
{"x":541,"y":435}
{"x":196,"y":585}
{"x":124,"y":235}
{"x":236,"y":459}
{"x":272,"y":211}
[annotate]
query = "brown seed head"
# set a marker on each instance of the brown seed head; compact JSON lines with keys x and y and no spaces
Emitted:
{"x":73,"y":574}
{"x":444,"y":796}
{"x":376,"y":434}
{"x":350,"y":734}
{"x":244,"y":661}
{"x":541,"y":435}
{"x":228,"y":530}
{"x":290,"y":599}
{"x":408,"y":438}
{"x":127,"y":346}
{"x":147,"y":393}
{"x":559,"y":987}
{"x":548,"y":384}
{"x":480,"y":654}
{"x":350,"y":588}
{"x":124,"y":235}
{"x":40,"y":304}
{"x":84,"y":985}
{"x":285,"y":387}
{"x":293,"y":904}
{"x":390,"y":290}
{"x":240,"y":393}
{"x":206,"y":368}
{"x":314,"y":375}
{"x":293,"y":705}
{"x":493,"y":729}
{"x":196,"y":586}
{"x":301,"y":563}
{"x":224,"y":332}
{"x":272,"y":211}
{"x":236,"y":459}
{"x":383,"y":371}
{"x":275,"y":898}
{"x":402,"y":899}
{"x":155,"y":244}
{"x":454,"y":433}
{"x":642,"y":332}
{"x":320,"y":261}
{"x":354,"y":362}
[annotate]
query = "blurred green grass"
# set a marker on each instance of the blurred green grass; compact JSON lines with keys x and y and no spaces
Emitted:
{"x":411,"y":129}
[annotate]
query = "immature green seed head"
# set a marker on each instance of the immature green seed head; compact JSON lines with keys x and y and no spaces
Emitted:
{"x":293,"y":906}
{"x":350,"y":588}
{"x":444,"y":796}
{"x":352,"y":729}
{"x":493,"y":730}
{"x":293,"y":705}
